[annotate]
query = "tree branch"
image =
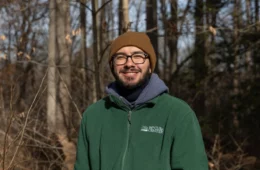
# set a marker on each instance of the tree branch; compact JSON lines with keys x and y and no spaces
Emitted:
{"x":99,"y":9}
{"x":179,"y":66}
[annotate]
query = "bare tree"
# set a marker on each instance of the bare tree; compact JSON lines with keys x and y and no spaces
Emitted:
{"x":151,"y":26}
{"x":2,"y":107}
{"x":63,"y":123}
{"x":83,"y":49}
{"x":172,"y":36}
{"x":124,"y":24}
{"x":51,"y":95}
{"x":199,"y":58}
{"x":248,"y":22}
{"x":96,"y":49}
{"x":164,"y":55}
{"x":257,"y":15}
{"x":236,"y":83}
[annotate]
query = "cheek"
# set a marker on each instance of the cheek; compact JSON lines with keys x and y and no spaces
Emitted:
{"x":116,"y":69}
{"x":147,"y":68}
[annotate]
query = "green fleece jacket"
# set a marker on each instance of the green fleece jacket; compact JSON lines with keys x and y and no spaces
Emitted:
{"x":160,"y":134}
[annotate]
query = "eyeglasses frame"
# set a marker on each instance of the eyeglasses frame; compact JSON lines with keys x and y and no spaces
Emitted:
{"x":130,"y":56}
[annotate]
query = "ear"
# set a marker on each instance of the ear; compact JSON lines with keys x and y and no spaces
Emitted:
{"x":150,"y":70}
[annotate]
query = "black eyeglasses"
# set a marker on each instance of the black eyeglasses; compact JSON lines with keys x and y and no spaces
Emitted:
{"x":136,"y":57}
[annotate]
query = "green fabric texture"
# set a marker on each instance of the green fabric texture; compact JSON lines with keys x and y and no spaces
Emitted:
{"x":162,"y":134}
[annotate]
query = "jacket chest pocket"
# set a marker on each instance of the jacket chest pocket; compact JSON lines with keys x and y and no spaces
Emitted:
{"x":148,"y":138}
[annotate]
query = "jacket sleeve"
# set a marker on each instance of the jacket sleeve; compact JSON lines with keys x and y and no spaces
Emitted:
{"x":188,"y":151}
{"x":82,"y":156}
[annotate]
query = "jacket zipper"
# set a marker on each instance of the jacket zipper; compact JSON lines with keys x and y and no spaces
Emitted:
{"x":127,"y":138}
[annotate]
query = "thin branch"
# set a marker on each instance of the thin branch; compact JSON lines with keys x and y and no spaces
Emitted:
{"x":26,"y":121}
{"x":152,"y":29}
{"x":99,"y":9}
{"x":179,"y":66}
{"x":103,"y":52}
{"x":184,"y":15}
{"x":81,"y":3}
{"x":74,"y":103}
{"x":8,"y":128}
{"x":58,"y":66}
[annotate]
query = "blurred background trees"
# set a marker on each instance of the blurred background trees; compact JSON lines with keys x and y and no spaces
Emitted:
{"x":53,"y":65}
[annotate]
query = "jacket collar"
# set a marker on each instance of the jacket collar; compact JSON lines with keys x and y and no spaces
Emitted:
{"x":154,"y":88}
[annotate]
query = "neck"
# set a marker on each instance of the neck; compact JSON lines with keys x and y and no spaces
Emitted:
{"x":131,"y":94}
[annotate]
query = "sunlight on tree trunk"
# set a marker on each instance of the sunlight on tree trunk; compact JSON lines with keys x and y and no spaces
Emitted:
{"x":63,"y":117}
{"x":124,"y":24}
{"x":51,"y":95}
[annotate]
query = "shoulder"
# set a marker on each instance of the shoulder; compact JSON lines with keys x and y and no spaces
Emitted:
{"x":180,"y":114}
{"x":176,"y":109}
{"x":96,"y":108}
{"x":173,"y":102}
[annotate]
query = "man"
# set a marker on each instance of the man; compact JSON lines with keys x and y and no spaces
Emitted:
{"x":138,"y":126}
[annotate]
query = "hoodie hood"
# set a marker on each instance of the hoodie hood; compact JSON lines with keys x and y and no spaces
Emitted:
{"x":154,"y":88}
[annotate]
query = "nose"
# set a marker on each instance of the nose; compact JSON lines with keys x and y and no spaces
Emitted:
{"x":129,"y":62}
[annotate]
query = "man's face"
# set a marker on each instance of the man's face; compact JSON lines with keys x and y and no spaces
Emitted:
{"x":131,"y":75}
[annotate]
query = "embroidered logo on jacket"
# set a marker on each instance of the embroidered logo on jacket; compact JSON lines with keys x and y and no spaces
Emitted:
{"x":154,"y":129}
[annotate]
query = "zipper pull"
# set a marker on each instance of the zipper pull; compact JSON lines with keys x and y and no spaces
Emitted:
{"x":129,"y":116}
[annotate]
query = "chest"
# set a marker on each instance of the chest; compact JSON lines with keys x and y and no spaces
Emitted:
{"x":144,"y":130}
{"x":132,"y":137}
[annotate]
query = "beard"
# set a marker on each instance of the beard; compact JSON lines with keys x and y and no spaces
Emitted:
{"x":127,"y":82}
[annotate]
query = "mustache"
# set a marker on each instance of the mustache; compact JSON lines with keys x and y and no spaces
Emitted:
{"x":130,"y":70}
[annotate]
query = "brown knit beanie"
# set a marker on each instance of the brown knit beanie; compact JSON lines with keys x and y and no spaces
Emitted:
{"x":137,"y":39}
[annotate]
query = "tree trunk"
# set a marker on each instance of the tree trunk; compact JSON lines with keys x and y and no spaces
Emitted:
{"x":83,"y":50}
{"x":257,"y":15}
{"x":63,"y":116}
{"x":172,"y":34}
{"x":212,"y":8}
{"x":256,"y":53}
{"x":200,"y":68}
{"x":96,"y":49}
{"x":111,"y":19}
{"x":51,"y":95}
{"x":249,"y":50}
{"x":236,"y":82}
{"x":151,"y":26}
{"x":123,"y":16}
{"x":3,"y":120}
{"x":164,"y":58}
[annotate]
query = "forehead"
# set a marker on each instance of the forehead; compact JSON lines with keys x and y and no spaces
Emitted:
{"x":129,"y":49}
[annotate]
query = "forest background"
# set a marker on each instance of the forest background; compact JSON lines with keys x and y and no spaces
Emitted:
{"x":53,"y":65}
